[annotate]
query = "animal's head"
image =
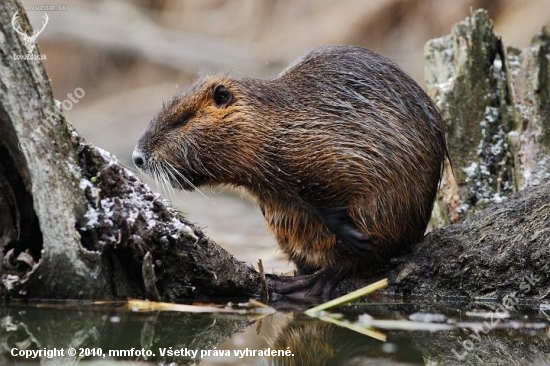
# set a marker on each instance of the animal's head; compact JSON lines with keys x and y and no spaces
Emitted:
{"x":208,"y":135}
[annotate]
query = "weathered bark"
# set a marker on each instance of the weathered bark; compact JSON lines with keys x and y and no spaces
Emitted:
{"x":496,"y":102}
{"x":502,"y":251}
{"x":77,"y":224}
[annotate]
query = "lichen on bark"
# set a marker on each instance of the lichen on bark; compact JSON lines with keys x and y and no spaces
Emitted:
{"x":494,"y":100}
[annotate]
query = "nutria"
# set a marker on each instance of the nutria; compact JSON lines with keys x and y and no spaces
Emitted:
{"x":342,"y":151}
{"x":315,"y":342}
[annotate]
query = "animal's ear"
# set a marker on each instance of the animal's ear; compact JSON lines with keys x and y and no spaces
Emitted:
{"x":222,"y":97}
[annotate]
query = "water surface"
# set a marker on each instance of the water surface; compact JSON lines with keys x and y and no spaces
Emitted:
{"x":94,"y":332}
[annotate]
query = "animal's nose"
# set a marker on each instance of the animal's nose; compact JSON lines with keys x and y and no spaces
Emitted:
{"x":138,"y":158}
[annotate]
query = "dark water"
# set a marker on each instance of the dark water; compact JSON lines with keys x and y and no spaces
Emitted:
{"x":95,"y":332}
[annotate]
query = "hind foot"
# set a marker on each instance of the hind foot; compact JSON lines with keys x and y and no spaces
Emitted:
{"x":317,"y":285}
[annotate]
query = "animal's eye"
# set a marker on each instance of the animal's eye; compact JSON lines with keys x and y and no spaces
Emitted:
{"x":222,"y":96}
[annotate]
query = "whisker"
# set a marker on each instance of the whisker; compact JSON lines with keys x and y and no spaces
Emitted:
{"x":162,"y":180}
{"x":166,"y":180}
{"x":186,"y":180}
{"x":171,"y":178}
{"x":155,"y":177}
{"x":173,"y":172}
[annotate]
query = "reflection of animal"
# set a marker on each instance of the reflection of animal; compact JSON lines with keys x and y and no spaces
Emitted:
{"x":313,"y":342}
{"x":342,"y":151}
{"x":29,"y":41}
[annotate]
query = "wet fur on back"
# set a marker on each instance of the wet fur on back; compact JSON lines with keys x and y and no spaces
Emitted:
{"x":342,"y":151}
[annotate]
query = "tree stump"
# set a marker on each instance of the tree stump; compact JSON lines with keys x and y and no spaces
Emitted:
{"x":76,"y":224}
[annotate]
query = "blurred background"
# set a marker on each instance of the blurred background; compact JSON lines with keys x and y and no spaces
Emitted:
{"x":130,"y":56}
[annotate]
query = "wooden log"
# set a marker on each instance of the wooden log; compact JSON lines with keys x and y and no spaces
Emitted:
{"x":76,"y":224}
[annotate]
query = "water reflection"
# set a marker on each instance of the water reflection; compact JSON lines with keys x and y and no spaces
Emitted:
{"x":318,"y":343}
{"x":187,"y":339}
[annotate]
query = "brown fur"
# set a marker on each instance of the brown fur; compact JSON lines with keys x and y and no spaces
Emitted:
{"x":318,"y":343}
{"x":340,"y":128}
